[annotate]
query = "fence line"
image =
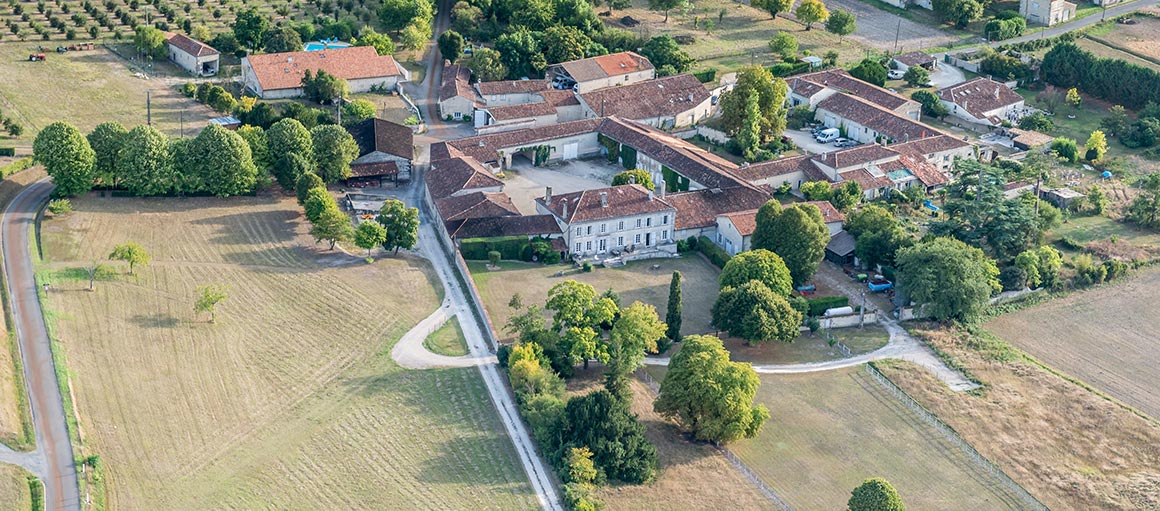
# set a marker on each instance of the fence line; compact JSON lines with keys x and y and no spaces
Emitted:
{"x":987,"y":465}
{"x":732,"y":458}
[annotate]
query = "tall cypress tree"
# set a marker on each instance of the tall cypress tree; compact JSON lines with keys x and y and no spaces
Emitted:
{"x":673,"y":316}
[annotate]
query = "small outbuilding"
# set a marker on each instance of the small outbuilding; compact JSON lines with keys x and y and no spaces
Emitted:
{"x":840,"y":250}
{"x":914,"y":58}
{"x":385,"y":151}
{"x":1061,"y":197}
{"x":196,"y":57}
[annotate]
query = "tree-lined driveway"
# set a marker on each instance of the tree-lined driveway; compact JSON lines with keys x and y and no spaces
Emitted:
{"x":54,"y":449}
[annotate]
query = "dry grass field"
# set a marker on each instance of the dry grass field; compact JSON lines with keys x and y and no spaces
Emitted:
{"x":1105,"y":337}
{"x":634,"y":282}
{"x":689,"y":476}
{"x":1069,"y":447}
{"x":15,"y":420}
{"x":831,"y":430}
{"x":808,"y":348}
{"x":1104,"y":50}
{"x":86,"y":89}
{"x":291,"y":400}
{"x":14,"y":494}
{"x":1139,"y":37}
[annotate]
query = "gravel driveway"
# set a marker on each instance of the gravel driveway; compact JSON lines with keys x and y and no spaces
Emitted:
{"x":877,"y":28}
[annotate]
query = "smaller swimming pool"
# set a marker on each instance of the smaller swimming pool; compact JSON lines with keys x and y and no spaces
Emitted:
{"x":319,"y":45}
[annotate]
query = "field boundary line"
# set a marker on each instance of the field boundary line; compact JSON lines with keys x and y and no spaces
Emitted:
{"x":749,"y":474}
{"x":949,"y":432}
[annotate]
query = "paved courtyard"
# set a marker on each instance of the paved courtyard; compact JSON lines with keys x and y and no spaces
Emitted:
{"x":524,"y":183}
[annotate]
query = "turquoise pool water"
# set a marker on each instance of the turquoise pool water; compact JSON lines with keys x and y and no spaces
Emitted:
{"x":318,"y":45}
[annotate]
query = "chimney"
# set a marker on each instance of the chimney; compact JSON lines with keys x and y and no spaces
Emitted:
{"x":604,"y":199}
{"x":662,"y":190}
{"x":996,"y":93}
{"x":564,"y":214}
{"x":650,"y":195}
{"x":548,"y":196}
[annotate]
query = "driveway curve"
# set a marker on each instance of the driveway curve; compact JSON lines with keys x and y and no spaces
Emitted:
{"x":59,"y":470}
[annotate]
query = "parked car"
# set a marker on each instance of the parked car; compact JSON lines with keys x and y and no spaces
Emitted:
{"x":895,"y":74}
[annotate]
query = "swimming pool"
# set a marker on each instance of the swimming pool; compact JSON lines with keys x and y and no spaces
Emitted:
{"x":319,"y":45}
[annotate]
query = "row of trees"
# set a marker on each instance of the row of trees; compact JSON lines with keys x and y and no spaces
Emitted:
{"x":1117,"y":81}
{"x":144,"y":161}
{"x":396,"y":226}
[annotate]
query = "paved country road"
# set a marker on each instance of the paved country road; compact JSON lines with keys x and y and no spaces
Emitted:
{"x":1078,"y":24}
{"x":53,"y":445}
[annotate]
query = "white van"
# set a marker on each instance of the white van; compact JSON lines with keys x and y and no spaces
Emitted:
{"x":828,"y":135}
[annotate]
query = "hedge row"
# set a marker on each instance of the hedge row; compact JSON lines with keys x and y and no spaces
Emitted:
{"x":510,"y":248}
{"x":706,"y":75}
{"x":716,"y":254}
{"x":819,"y":306}
{"x":7,"y":151}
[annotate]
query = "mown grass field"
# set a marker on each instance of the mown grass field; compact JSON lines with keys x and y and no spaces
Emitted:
{"x":689,"y":475}
{"x":14,"y":493}
{"x":88,"y":88}
{"x":807,"y":348}
{"x":1068,"y":446}
{"x":15,"y":416}
{"x":831,"y":430}
{"x":634,"y":282}
{"x":447,"y":340}
{"x":291,"y":400}
{"x":1105,"y":337}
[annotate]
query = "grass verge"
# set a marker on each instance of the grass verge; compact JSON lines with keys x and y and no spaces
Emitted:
{"x":447,"y":340}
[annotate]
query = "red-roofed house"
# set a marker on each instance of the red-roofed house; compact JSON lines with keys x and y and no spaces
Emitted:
{"x":610,"y":70}
{"x":457,"y":99}
{"x":279,"y":75}
{"x":735,"y":230}
{"x":982,"y":101}
{"x":194,"y":56}
{"x":618,"y":218}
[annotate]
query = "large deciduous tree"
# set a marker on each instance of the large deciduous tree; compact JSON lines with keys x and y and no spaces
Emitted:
{"x":283,"y":40}
{"x":223,"y":160}
{"x":773,"y":7}
{"x":797,"y":233}
{"x":771,"y":94}
{"x":255,"y":137}
{"x":334,"y":149}
{"x":150,"y":41}
{"x":67,"y":158}
{"x":332,"y":226}
{"x":369,"y":235}
{"x":307,"y":181}
{"x":520,"y":53}
{"x":563,"y":44}
{"x":106,"y":140}
{"x":487,"y":65}
{"x":382,"y":43}
{"x":396,"y":14}
{"x":665,"y":5}
{"x":710,"y":395}
{"x":761,"y":265}
{"x":145,"y":164}
{"x":663,"y":51}
{"x":285,"y":137}
{"x":875,"y":495}
{"x":635,"y":176}
{"x":947,"y":278}
{"x":634,"y":333}
{"x":323,"y":87}
{"x":870,"y":71}
{"x":250,"y":28}
{"x":753,"y":312}
{"x":401,"y":223}
{"x":451,"y":45}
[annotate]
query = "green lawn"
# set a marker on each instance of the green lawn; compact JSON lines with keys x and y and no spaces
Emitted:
{"x":447,"y":340}
{"x":807,"y":348}
{"x":14,"y":490}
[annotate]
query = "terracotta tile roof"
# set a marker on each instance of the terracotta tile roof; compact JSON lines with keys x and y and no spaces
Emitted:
{"x":980,"y":96}
{"x":1029,"y":139}
{"x":699,"y":165}
{"x":452,"y":175}
{"x":924,"y":170}
{"x":930,"y":145}
{"x":383,"y":136}
{"x":191,"y":46}
{"x":374,"y":169}
{"x":887,"y":122}
{"x":456,"y":82}
{"x":443,"y":151}
{"x":604,"y":66}
{"x":511,"y":87}
{"x":855,"y":156}
{"x":494,"y":227}
{"x":915,"y":58}
{"x":485,"y":148}
{"x":623,"y":200}
{"x":810,"y":84}
{"x":865,"y":179}
{"x":829,"y":212}
{"x":699,"y":209}
{"x":744,"y":221}
{"x":476,"y":205}
{"x":663,"y":97}
{"x":548,"y":101}
{"x":276,"y":71}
